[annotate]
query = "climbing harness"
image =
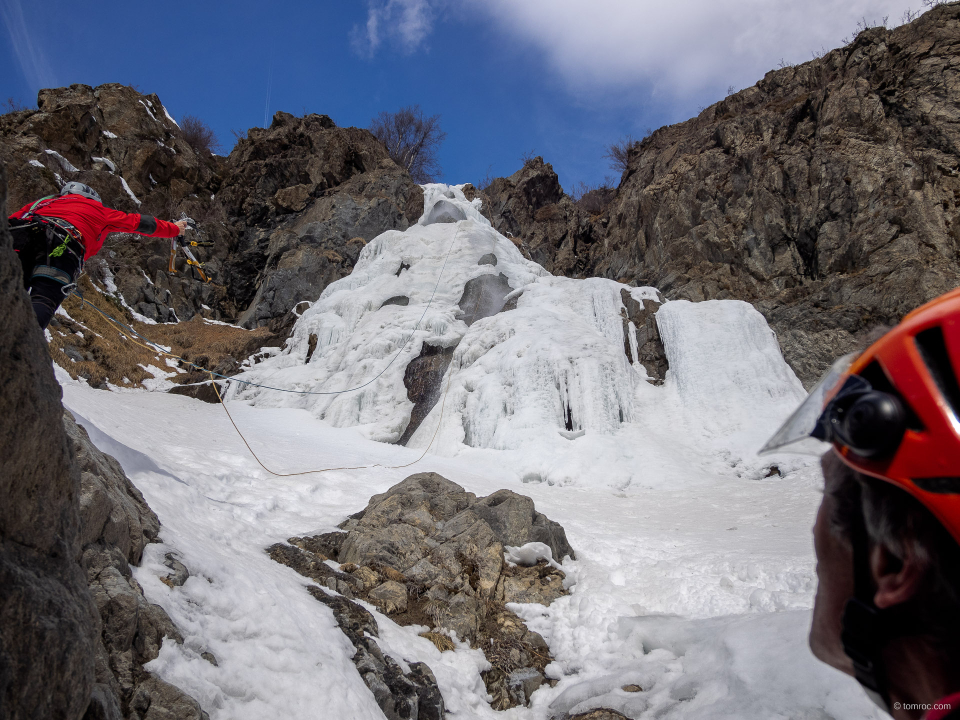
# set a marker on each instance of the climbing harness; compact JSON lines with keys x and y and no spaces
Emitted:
{"x":188,"y":256}
{"x":49,"y":237}
{"x":148,"y":344}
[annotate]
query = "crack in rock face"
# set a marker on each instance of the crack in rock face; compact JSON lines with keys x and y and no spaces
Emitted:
{"x":426,"y":552}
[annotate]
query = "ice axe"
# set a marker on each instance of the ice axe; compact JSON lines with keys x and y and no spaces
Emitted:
{"x":185,"y":246}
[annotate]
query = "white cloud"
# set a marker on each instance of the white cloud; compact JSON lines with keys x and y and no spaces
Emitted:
{"x":679,"y":48}
{"x":404,"y":22}
{"x":33,"y":62}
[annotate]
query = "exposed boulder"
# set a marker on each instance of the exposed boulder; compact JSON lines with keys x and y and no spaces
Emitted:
{"x":640,"y":321}
{"x":429,"y":553}
{"x":423,"y":379}
{"x":401,"y":696}
{"x":48,"y":619}
{"x":599,"y":714}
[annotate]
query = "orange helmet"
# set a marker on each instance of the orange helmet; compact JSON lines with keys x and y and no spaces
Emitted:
{"x":894,"y":411}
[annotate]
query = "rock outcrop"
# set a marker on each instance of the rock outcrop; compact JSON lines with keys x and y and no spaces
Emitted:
{"x":530,"y":208}
{"x":288,"y":211}
{"x":48,"y":620}
{"x":828,"y":195}
{"x":305,"y":196}
{"x":429,"y":553}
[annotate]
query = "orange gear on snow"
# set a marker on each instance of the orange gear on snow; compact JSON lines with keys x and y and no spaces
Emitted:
{"x":931,"y":454}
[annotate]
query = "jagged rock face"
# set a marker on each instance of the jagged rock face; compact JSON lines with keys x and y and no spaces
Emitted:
{"x":531,"y":208}
{"x":76,"y":627}
{"x":826,"y":195}
{"x":429,"y":553}
{"x":48,"y":621}
{"x":116,"y":524}
{"x":289,"y":211}
{"x":308,"y":196}
{"x":106,"y":136}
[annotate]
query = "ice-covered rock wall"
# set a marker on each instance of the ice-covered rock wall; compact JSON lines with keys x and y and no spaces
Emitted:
{"x":539,"y":362}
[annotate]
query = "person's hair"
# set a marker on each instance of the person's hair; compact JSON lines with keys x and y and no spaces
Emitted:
{"x":898,"y":521}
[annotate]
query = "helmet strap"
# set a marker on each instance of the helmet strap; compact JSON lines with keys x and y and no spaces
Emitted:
{"x":864,"y":627}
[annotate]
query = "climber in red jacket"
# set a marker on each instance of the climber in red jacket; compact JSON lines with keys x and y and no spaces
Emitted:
{"x":55,"y":235}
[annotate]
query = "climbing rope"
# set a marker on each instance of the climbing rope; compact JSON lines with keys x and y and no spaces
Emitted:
{"x":152,"y":346}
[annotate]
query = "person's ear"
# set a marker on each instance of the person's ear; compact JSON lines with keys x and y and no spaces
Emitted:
{"x":897,"y":579}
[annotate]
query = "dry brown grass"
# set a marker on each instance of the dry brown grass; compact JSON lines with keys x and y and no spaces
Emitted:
{"x":88,"y":346}
{"x":441,"y":641}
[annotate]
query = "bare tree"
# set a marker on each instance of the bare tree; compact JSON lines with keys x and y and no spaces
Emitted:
{"x":199,"y":135}
{"x":412,"y":140}
{"x":618,"y":152}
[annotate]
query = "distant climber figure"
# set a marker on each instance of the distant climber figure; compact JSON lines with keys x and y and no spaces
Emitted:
{"x":55,"y":235}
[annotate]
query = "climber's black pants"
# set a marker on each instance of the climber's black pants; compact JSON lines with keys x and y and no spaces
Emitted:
{"x":45,"y":277}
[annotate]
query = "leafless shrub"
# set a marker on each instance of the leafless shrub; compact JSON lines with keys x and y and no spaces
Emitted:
{"x":412,"y":140}
{"x":909,"y":16}
{"x":618,"y":153}
{"x":486,"y":181}
{"x":528,"y":157}
{"x":10,"y":105}
{"x":593,"y":199}
{"x":199,"y":135}
{"x":863,"y":25}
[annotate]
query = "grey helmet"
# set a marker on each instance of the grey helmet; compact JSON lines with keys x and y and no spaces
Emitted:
{"x":78,"y":188}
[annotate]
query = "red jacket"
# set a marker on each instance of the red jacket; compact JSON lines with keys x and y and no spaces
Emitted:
{"x":95,"y":222}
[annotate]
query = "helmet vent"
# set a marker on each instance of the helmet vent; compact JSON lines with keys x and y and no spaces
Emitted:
{"x":942,"y":485}
{"x":933,"y":350}
{"x":875,"y":375}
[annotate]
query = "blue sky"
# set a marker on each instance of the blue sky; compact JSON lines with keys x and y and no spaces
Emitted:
{"x":558,"y":78}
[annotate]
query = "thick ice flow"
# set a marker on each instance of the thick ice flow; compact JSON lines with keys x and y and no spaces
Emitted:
{"x":551,"y":373}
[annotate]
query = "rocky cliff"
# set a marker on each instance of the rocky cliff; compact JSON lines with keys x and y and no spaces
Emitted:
{"x":304,"y":197}
{"x":47,"y":617}
{"x":288,"y":210}
{"x":75,"y":629}
{"x":826,"y":195}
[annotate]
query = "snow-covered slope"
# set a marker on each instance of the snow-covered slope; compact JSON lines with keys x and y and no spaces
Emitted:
{"x":695,"y":572}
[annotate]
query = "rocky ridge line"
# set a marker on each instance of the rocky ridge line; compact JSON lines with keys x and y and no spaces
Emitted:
{"x":288,"y":211}
{"x":828,"y":195}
